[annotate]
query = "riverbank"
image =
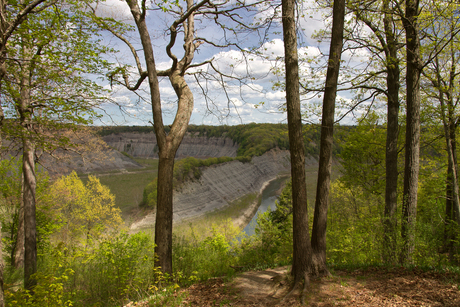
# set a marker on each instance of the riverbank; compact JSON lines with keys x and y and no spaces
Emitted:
{"x":245,"y":218}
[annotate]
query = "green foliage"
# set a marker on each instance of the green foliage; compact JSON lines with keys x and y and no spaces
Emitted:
{"x":282,"y":215}
{"x":256,"y":139}
{"x":431,"y":228}
{"x":272,"y":243}
{"x":86,"y":210}
{"x":55,"y":67}
{"x":355,"y":230}
{"x":10,"y":201}
{"x":198,"y":258}
{"x":121,"y":266}
{"x":363,"y":156}
{"x":149,"y":197}
{"x":49,"y":292}
{"x":118,"y":268}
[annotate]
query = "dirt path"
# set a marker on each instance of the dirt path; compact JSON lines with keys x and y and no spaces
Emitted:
{"x":372,"y":287}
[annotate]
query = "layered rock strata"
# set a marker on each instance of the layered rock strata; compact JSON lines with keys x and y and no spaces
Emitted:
{"x":62,"y":162}
{"x":107,"y":160}
{"x":144,"y":145}
{"x":221,"y":184}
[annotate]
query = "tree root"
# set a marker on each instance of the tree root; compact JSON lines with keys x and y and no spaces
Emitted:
{"x":297,"y":284}
{"x":306,"y":285}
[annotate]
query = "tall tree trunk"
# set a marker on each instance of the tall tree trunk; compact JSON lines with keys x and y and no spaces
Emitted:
{"x":318,"y":240}
{"x":452,"y":201}
{"x":30,"y":229}
{"x":28,"y":171}
{"x":455,"y":210}
{"x":167,"y":144}
{"x":164,"y":221}
{"x":412,"y":154}
{"x":446,"y":101}
{"x":391,"y":157}
{"x":18,"y":252}
{"x":301,"y":237}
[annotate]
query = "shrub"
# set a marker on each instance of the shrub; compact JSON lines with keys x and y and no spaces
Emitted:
{"x":198,"y":258}
{"x":117,"y":269}
{"x":120,"y":268}
{"x":85,"y":210}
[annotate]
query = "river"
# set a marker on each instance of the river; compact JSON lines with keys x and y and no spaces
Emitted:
{"x":268,"y":198}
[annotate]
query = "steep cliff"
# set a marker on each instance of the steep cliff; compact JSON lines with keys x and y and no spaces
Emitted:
{"x":80,"y":159}
{"x":221,"y":184}
{"x":107,"y":160}
{"x":144,"y":145}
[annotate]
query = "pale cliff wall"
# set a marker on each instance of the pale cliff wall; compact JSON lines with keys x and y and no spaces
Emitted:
{"x":223,"y":183}
{"x":62,"y":162}
{"x":106,"y":160}
{"x":144,"y":145}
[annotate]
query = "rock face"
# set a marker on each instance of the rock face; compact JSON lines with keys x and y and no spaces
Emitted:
{"x":90,"y":163}
{"x":62,"y":162}
{"x":223,"y":183}
{"x":144,"y":145}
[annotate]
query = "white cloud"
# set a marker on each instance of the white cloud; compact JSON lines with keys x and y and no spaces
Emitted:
{"x":278,"y":95}
{"x":116,"y":9}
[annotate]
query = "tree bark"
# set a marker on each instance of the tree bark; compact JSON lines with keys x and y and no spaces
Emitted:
{"x":301,"y":238}
{"x":318,"y":240}
{"x":18,"y":252}
{"x":446,"y":100}
{"x":30,"y":229}
{"x":391,"y":157}
{"x":412,"y":154}
{"x":25,"y":111}
{"x":164,"y":213}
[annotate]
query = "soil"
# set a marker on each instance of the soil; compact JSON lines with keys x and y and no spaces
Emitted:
{"x":367,"y":287}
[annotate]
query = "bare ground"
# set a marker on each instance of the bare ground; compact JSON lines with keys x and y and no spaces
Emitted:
{"x":369,"y":287}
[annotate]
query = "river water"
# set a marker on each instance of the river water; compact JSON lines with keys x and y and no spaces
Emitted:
{"x":269,"y":196}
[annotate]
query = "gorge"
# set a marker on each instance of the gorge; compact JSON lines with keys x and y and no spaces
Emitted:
{"x":219,"y":185}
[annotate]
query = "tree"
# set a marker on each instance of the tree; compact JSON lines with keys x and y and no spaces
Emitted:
{"x":184,"y":23}
{"x":302,"y":255}
{"x":373,"y":75}
{"x":362,"y":157}
{"x":441,"y":95}
{"x":310,"y":257}
{"x":11,"y":17}
{"x":86,"y":209}
{"x":391,"y":156}
{"x":318,"y":243}
{"x":412,"y":153}
{"x":383,"y":20}
{"x":49,"y":90}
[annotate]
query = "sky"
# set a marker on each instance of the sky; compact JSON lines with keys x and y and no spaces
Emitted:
{"x":255,"y":99}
